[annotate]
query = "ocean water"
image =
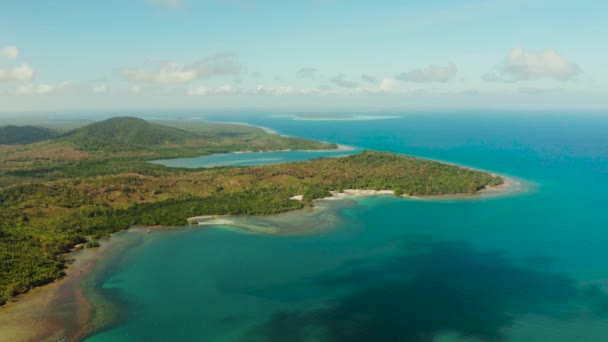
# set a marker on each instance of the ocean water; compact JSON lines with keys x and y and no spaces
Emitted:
{"x":531,"y":267}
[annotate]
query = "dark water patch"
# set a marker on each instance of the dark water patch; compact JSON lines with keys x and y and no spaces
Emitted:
{"x":597,"y":300}
{"x":433,"y":288}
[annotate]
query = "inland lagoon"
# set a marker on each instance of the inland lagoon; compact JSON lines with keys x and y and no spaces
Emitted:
{"x":248,"y":158}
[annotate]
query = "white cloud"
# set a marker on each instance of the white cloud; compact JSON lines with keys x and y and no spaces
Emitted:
{"x":32,"y":89}
{"x":387,"y":85}
{"x":341,"y":81}
{"x":21,"y":73}
{"x":203,"y":91}
{"x":198,"y":91}
{"x":277,"y":91}
{"x":100,"y":89}
{"x":225,"y":89}
{"x":173,"y":73}
{"x":40,"y":89}
{"x":135,"y":89}
{"x":431,"y":74}
{"x":10,"y":52}
{"x":524,"y":65}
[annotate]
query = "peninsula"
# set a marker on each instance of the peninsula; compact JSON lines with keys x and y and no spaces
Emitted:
{"x":67,"y":189}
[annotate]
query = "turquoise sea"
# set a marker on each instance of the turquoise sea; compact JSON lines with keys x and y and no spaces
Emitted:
{"x":529,"y":267}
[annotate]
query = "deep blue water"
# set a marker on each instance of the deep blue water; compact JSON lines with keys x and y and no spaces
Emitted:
{"x":532,"y":267}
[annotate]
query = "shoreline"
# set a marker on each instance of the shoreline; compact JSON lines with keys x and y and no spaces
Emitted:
{"x":339,"y":148}
{"x":61,"y":310}
{"x":72,"y":307}
{"x":265,"y":129}
{"x":509,"y":187}
{"x":274,"y":131}
{"x":24,"y":319}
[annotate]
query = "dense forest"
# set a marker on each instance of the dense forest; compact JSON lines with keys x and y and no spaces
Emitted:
{"x":44,"y":217}
{"x":17,"y":135}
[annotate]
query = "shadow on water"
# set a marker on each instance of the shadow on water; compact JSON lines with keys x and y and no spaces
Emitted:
{"x":433,"y":288}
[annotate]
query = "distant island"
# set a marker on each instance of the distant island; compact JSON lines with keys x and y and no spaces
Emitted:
{"x":341,"y":117}
{"x":68,"y":189}
{"x":323,"y":116}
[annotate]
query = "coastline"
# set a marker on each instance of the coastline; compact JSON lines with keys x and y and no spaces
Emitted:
{"x":509,"y":187}
{"x":64,"y":310}
{"x":273,"y":131}
{"x":264,"y":224}
{"x":340,"y":148}
{"x":33,"y":316}
{"x":265,"y":129}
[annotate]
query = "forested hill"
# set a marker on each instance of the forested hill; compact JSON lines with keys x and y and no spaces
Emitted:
{"x":19,"y":135}
{"x":129,"y":134}
{"x":126,"y":133}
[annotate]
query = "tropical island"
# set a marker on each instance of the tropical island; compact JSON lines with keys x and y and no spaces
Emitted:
{"x":323,"y":116}
{"x":63,"y":189}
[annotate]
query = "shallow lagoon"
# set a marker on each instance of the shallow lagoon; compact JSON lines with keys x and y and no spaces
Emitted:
{"x":254,"y":158}
{"x":520,"y":268}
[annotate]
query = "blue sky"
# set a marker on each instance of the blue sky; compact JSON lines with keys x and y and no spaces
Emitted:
{"x":303,"y":55}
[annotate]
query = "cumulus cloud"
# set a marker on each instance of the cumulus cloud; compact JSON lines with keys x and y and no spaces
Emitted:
{"x":341,"y":81}
{"x":431,"y":74}
{"x":307,"y":73}
{"x":203,"y":91}
{"x":525,"y":65}
{"x":278,"y":91}
{"x":40,"y":89}
{"x":387,"y":85}
{"x":32,"y":89}
{"x":173,"y":73}
{"x":21,"y":73}
{"x":225,"y":89}
{"x":198,"y":91}
{"x":10,"y":52}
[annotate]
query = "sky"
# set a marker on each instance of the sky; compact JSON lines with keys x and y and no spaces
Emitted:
{"x":322,"y":55}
